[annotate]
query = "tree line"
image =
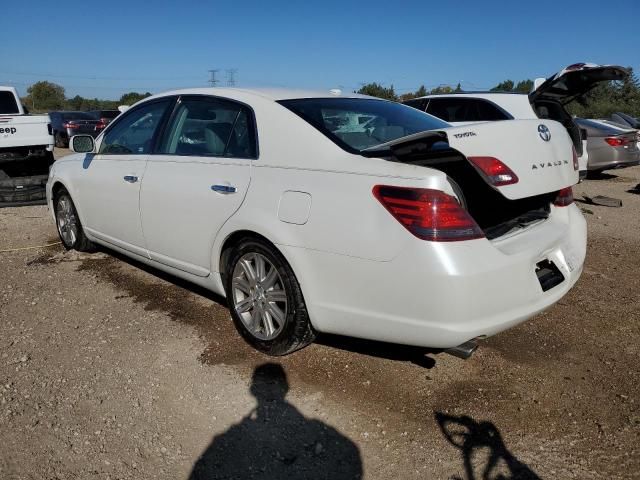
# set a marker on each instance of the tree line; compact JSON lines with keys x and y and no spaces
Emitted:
{"x":46,"y":96}
{"x":601,"y":102}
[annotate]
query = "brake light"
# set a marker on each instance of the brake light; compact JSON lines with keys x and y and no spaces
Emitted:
{"x":616,"y":141}
{"x":101,"y":124}
{"x":496,"y":172}
{"x":428,"y":214}
{"x":564,"y":198}
{"x":575,"y":158}
{"x":70,"y":125}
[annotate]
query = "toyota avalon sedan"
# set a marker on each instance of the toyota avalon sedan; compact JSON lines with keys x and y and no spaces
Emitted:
{"x":323,"y":212}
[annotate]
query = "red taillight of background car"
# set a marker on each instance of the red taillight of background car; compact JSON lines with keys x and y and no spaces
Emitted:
{"x":616,"y":141}
{"x":428,"y":214}
{"x":101,"y":124}
{"x":564,"y":198}
{"x":495,"y":171}
{"x":71,"y":125}
{"x":574,"y":154}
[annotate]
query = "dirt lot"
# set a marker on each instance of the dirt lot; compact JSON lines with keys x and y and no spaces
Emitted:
{"x":111,"y":370}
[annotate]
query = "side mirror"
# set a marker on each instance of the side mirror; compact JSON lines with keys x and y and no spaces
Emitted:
{"x":82,"y":144}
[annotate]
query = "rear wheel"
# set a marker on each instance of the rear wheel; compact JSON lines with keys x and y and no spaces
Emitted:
{"x":59,"y":141}
{"x":68,"y":224}
{"x":265,"y":299}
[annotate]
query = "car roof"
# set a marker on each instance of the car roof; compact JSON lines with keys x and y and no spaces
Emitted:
{"x":274,"y":94}
{"x":474,"y":93}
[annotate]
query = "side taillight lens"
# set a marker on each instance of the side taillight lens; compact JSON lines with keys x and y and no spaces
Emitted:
{"x":616,"y":141}
{"x":428,"y":214}
{"x":564,"y":198}
{"x":101,"y":124}
{"x":576,"y":166}
{"x":496,"y":172}
{"x":70,"y":125}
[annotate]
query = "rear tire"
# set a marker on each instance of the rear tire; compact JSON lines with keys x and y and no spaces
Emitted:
{"x":68,"y":224}
{"x":59,"y":142}
{"x":265,"y":299}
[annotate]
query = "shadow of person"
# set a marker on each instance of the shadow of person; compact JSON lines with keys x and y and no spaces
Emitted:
{"x":471,"y":438}
{"x":275,"y":441}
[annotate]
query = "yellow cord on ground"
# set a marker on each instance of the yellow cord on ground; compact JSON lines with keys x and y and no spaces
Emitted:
{"x":29,"y":248}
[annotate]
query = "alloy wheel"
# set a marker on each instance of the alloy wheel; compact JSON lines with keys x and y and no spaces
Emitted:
{"x":259,"y":296}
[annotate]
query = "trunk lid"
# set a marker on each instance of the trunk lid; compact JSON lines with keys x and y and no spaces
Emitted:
{"x":539,"y":152}
{"x":576,"y":80}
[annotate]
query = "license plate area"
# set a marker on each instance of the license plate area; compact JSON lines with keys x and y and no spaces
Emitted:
{"x":548,"y":275}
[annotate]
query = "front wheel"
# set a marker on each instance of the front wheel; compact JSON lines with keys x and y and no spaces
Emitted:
{"x":265,"y":299}
{"x":68,"y":224}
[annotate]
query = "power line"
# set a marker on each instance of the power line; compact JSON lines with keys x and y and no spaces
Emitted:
{"x":213,"y":81}
{"x":231,"y":77}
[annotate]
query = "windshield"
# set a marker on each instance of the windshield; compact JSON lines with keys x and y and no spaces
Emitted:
{"x":359,"y":123}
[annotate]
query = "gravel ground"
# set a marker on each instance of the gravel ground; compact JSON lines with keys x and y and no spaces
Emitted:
{"x":112,"y":370}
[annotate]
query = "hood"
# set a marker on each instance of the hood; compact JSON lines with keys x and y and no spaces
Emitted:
{"x":576,"y":80}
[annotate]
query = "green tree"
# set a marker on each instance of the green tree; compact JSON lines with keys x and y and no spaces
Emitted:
{"x":506,"y":86}
{"x":441,"y":89}
{"x":524,"y":86}
{"x":376,"y":90}
{"x":44,"y":96}
{"x":133,"y":97}
{"x":458,"y":88}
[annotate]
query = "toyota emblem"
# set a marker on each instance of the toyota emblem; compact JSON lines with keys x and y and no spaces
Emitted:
{"x":544,"y":132}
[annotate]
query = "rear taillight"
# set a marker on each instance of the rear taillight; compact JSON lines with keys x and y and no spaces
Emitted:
{"x":70,"y":125}
{"x":616,"y":141}
{"x":576,"y":166}
{"x":428,"y":214}
{"x":564,"y":198}
{"x":496,"y":172}
{"x":101,"y":124}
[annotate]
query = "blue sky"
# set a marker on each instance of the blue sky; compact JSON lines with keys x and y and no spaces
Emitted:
{"x":103,"y":49}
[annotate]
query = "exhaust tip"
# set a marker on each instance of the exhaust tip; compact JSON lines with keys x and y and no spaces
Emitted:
{"x":464,"y":350}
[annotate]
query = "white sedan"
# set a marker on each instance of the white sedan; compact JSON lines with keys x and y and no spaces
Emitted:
{"x":399,"y":228}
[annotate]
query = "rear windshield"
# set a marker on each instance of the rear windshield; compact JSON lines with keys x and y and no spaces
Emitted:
{"x":8,"y":103}
{"x":77,"y":116}
{"x":359,"y":123}
{"x":606,"y":129}
{"x":106,"y":113}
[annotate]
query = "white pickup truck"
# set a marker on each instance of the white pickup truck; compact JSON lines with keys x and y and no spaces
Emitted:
{"x":26,"y":152}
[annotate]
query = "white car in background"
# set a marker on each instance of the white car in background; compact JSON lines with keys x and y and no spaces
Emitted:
{"x":398,"y":228}
{"x":546,"y":101}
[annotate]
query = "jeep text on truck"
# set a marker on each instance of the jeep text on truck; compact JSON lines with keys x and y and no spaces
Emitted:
{"x":26,"y":152}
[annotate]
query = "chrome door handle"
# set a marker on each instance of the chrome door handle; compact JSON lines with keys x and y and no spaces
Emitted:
{"x":130,"y":178}
{"x":226,"y":189}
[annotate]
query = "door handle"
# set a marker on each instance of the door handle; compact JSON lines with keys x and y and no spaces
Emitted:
{"x":226,"y":189}
{"x":130,"y":178}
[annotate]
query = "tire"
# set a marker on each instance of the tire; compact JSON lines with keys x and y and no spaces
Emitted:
{"x":268,"y":310}
{"x":59,"y":142}
{"x":68,"y":224}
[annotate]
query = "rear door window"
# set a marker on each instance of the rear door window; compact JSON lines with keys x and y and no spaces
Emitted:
{"x":208,"y":126}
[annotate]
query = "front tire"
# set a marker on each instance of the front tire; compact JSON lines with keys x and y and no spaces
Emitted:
{"x":265,"y":299}
{"x":68,"y":224}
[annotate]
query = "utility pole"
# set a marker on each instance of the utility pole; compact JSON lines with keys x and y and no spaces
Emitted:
{"x":212,"y":78}
{"x":231,"y":77}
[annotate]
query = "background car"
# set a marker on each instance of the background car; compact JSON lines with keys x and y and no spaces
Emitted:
{"x":609,"y":145}
{"x":105,"y":116}
{"x":546,"y":101}
{"x":317,"y":212}
{"x":66,"y":124}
